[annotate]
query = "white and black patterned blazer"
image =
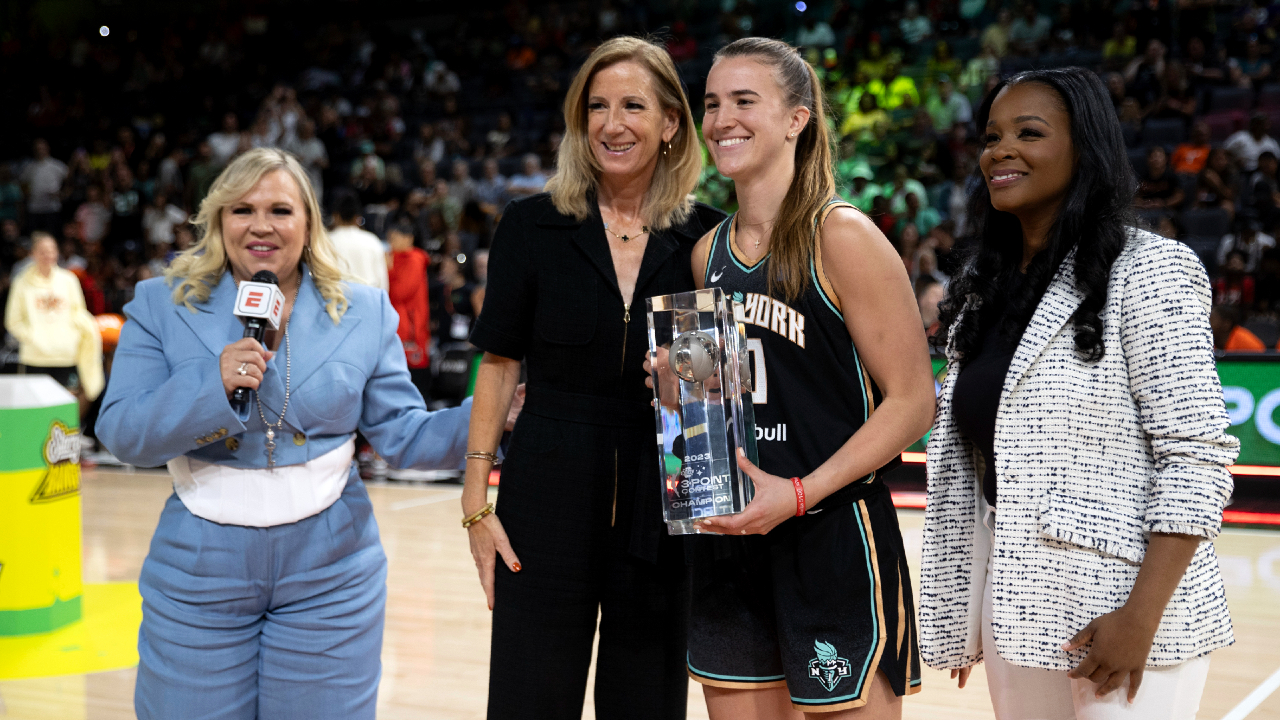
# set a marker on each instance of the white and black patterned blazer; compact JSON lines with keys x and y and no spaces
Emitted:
{"x":1091,"y":459}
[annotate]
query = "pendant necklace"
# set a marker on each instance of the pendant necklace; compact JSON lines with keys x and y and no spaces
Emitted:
{"x":627,"y":238}
{"x":288,"y":372}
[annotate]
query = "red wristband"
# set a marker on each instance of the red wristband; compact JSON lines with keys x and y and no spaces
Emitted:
{"x":800,"y":507}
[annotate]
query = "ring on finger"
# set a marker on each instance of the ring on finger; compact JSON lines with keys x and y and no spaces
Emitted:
{"x":242,"y":370}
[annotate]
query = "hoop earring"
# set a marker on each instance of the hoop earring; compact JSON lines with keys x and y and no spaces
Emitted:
{"x":665,"y":145}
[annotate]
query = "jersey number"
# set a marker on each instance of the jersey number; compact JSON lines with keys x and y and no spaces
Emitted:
{"x":760,"y":389}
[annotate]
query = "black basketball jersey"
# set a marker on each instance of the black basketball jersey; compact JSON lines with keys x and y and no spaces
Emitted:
{"x":811,"y":392}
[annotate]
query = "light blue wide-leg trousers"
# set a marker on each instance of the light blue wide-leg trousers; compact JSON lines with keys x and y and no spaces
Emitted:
{"x":278,"y":623}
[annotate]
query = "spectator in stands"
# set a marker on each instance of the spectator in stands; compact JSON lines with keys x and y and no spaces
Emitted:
{"x":462,"y":188}
{"x":1166,"y":226}
{"x":913,"y":26}
{"x":491,"y":190}
{"x":996,"y":35}
{"x":1263,"y":196}
{"x":1246,"y":145}
{"x":1229,"y":335}
{"x":94,"y":216}
{"x":429,"y":146}
{"x":42,"y":179}
{"x":894,"y":89}
{"x":903,"y":184}
{"x":1190,"y":156}
{"x":46,"y":314}
{"x":204,"y":170}
{"x":1233,"y":287}
{"x":862,"y":191}
{"x":226,"y":142}
{"x":441,"y":200}
{"x":362,"y":255}
{"x":1144,"y":74}
{"x":1121,"y":46}
{"x":1115,"y":89}
{"x":530,"y":180}
{"x":814,"y":32}
{"x":982,"y":66}
{"x":923,"y":217}
{"x":1131,"y":121}
{"x":1216,"y":183}
{"x":947,"y":107}
{"x":1028,"y":33}
{"x":1176,"y":99}
{"x":10,"y":195}
{"x":407,"y":275}
{"x":864,"y":118}
{"x":1158,"y":188}
{"x":311,"y":153}
{"x":500,"y":141}
{"x":1249,"y":240}
{"x":1236,"y":77}
{"x":1254,"y":66}
{"x":159,"y":219}
{"x":942,"y":63}
{"x":126,"y":206}
{"x":1203,"y":70}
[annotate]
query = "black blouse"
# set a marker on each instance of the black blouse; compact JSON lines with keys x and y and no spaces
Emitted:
{"x":976,"y":399}
{"x":552,"y":300}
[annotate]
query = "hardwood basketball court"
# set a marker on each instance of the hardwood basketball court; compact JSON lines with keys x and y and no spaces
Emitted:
{"x":436,"y":648}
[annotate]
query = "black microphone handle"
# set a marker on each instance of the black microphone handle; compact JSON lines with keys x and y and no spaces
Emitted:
{"x":254,"y":328}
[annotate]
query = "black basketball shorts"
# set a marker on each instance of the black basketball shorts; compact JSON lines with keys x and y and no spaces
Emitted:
{"x":818,"y":606}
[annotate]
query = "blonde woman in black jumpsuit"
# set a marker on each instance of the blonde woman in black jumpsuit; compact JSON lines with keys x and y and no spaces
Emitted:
{"x":578,"y":527}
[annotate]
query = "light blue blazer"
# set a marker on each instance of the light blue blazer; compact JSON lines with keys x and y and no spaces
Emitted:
{"x":165,"y":396}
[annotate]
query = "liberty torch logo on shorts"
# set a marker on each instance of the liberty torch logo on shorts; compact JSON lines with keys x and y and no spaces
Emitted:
{"x":828,"y":669}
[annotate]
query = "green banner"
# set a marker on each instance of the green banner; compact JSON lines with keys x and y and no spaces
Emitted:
{"x":1251,"y":389}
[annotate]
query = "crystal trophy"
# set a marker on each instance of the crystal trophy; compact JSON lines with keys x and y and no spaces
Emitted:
{"x":703,"y":410}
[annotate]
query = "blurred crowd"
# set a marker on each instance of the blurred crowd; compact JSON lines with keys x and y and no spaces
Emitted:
{"x":425,"y":126}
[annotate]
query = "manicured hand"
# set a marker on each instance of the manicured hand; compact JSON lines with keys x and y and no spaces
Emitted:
{"x":248,"y":353}
{"x":1121,"y":643}
{"x":774,"y":502}
{"x":488,"y":540}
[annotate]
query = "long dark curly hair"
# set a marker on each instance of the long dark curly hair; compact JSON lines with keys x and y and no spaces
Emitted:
{"x":1095,"y":219}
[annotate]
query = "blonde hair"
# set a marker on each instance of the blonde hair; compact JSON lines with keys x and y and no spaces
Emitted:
{"x":792,"y":239}
{"x":667,"y":201}
{"x":199,"y":269}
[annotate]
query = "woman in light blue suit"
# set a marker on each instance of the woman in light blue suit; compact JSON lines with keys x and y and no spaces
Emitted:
{"x":264,"y":590}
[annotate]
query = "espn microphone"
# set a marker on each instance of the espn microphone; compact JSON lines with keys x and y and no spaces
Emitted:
{"x":260,"y":303}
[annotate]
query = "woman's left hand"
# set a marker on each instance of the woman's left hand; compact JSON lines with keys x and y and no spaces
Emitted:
{"x":1121,"y":644}
{"x":774,"y":502}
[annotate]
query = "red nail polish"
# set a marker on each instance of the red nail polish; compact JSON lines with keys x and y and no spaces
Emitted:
{"x":490,"y":608}
{"x":515,"y":567}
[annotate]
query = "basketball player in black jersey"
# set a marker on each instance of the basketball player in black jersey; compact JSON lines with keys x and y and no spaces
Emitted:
{"x":809,"y":608}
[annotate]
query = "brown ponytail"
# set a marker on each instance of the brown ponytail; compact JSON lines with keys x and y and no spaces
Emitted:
{"x":791,"y":241}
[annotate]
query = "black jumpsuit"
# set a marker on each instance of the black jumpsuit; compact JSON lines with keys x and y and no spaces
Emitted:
{"x":579,"y":495}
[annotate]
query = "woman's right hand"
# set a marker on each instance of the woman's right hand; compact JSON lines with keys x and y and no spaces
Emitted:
{"x":962,"y":674}
{"x":488,"y":540}
{"x":670,"y":390}
{"x":249,"y":353}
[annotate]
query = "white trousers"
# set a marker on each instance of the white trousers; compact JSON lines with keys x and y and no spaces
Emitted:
{"x":1019,"y":693}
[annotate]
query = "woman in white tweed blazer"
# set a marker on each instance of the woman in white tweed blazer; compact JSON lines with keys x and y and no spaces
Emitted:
{"x":1078,"y":465}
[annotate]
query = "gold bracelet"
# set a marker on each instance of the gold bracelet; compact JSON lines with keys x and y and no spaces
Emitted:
{"x":477,"y":516}
{"x":482,"y":455}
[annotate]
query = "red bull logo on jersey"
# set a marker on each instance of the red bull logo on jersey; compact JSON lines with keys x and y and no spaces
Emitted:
{"x":774,"y":315}
{"x":777,"y":433}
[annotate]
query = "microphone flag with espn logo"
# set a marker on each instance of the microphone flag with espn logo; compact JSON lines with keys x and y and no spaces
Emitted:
{"x":260,"y":300}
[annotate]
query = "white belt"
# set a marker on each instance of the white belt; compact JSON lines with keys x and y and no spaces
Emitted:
{"x":258,"y":497}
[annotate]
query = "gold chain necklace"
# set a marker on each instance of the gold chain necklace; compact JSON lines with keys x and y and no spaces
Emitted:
{"x":627,"y":238}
